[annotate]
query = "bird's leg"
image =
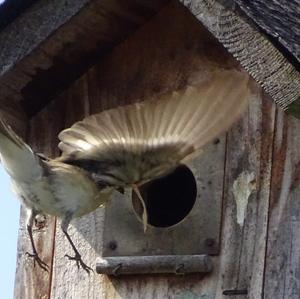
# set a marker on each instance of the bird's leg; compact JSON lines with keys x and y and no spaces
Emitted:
{"x":34,"y":254}
{"x":77,"y":257}
{"x":145,"y":214}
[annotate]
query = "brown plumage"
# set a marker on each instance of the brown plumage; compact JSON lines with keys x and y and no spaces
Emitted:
{"x":122,"y":147}
{"x":49,"y":186}
{"x":130,"y":145}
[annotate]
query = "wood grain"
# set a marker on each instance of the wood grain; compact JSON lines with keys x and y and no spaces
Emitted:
{"x":282,"y":275}
{"x":280,"y":19}
{"x":259,"y":254}
{"x":249,"y":151}
{"x":175,"y":264}
{"x":12,"y":112}
{"x":52,"y":43}
{"x":162,"y":56}
{"x":256,"y":54}
{"x":86,"y":232}
{"x":34,"y":282}
{"x":126,"y":75}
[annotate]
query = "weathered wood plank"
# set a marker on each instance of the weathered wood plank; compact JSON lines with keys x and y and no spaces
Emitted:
{"x":165,"y":55}
{"x":240,"y":265}
{"x":280,"y":19}
{"x":31,"y":28}
{"x":52,"y":43}
{"x":257,"y":55}
{"x":136,"y":69}
{"x":175,"y":264}
{"x":34,"y":282}
{"x":151,"y":61}
{"x":14,"y":115}
{"x":162,"y":56}
{"x":282,"y":276}
{"x":27,"y":277}
{"x":67,"y":280}
{"x":247,"y":184}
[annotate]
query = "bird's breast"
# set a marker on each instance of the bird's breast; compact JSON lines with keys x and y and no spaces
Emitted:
{"x":62,"y":192}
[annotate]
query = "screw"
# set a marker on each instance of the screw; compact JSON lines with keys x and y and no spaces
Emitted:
{"x":112,"y":245}
{"x":216,"y":141}
{"x":179,"y":269}
{"x":209,"y":242}
{"x":116,"y":269}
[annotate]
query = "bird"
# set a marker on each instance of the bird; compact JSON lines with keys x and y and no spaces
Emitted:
{"x":128,"y":146}
{"x":123,"y":147}
{"x":47,"y":186}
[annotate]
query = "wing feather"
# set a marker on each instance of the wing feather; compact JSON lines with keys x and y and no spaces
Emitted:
{"x":136,"y":143}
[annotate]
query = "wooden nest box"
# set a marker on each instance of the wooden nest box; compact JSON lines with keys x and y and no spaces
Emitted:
{"x":62,"y":61}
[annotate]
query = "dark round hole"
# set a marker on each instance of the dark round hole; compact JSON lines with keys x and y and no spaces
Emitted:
{"x":168,"y":199}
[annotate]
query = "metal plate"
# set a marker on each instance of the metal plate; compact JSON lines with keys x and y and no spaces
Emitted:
{"x":198,"y":233}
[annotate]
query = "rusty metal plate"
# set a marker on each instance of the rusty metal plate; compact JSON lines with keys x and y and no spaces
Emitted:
{"x":198,"y":233}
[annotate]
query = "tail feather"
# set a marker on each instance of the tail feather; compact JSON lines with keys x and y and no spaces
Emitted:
{"x":16,"y":156}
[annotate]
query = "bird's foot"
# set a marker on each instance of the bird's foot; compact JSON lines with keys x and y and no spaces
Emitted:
{"x":79,"y":262}
{"x":37,"y":259}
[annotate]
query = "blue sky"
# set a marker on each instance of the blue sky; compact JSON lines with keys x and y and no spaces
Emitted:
{"x":9,"y":223}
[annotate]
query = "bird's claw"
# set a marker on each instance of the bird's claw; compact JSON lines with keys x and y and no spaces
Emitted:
{"x":37,"y":259}
{"x":79,"y":262}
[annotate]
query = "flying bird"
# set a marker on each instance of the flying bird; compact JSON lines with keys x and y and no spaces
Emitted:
{"x":120,"y":148}
{"x":131,"y":145}
{"x":48,"y":187}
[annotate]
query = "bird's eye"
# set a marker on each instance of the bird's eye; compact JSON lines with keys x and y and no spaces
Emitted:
{"x":168,"y":199}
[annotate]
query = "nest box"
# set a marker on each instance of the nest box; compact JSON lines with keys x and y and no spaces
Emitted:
{"x":64,"y":60}
{"x":184,"y":212}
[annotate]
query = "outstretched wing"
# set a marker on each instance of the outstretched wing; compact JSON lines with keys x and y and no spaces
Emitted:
{"x":136,"y":143}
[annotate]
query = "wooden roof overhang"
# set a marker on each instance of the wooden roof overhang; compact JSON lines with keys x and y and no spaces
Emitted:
{"x":52,"y":43}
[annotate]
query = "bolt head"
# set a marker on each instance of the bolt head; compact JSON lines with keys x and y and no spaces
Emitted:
{"x":209,"y":242}
{"x":112,"y":245}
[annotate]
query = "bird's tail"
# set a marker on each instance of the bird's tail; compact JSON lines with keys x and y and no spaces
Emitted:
{"x":16,"y":156}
